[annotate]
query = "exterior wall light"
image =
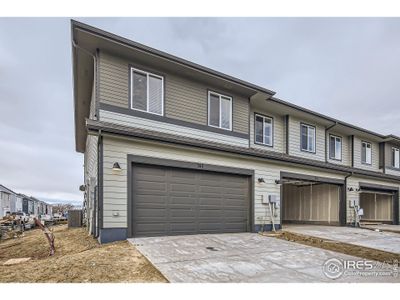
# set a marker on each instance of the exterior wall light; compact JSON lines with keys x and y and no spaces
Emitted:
{"x":116,"y":167}
{"x":260,"y":180}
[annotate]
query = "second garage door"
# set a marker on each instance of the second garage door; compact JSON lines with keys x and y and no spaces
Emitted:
{"x":173,"y":201}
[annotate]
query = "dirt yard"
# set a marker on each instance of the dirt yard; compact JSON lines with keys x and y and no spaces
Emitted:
{"x":78,"y":258}
{"x":354,"y":250}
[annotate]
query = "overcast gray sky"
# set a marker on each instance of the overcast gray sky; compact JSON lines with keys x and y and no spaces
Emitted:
{"x":346,"y":68}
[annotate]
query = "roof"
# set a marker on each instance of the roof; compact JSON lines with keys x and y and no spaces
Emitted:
{"x":87,"y":39}
{"x":6,"y":188}
{"x":111,"y":128}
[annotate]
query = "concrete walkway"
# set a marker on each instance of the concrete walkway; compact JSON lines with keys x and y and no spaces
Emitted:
{"x":386,"y":241}
{"x":385,"y":227}
{"x":241,"y":257}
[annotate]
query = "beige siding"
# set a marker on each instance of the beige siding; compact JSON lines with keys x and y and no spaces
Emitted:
{"x":375,"y":156}
{"x":278,"y":132}
{"x":354,"y":182}
{"x":185,"y":99}
{"x":346,"y":151}
{"x":115,"y":183}
{"x":143,"y":123}
{"x":394,"y":172}
{"x":294,"y":140}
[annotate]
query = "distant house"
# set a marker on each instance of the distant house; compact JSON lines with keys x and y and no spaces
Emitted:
{"x":6,"y":196}
{"x":11,"y":201}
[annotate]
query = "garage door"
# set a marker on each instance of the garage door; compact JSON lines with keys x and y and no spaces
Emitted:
{"x":376,"y":206}
{"x":173,"y":201}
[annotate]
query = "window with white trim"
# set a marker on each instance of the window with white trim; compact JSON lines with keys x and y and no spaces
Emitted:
{"x":335,"y":147}
{"x":263,"y":130}
{"x":366,"y":153}
{"x":395,"y":158}
{"x":219,"y":111}
{"x":147,"y":92}
{"x":307,"y":139}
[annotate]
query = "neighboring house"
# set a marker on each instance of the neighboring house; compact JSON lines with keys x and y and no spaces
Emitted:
{"x":9,"y":201}
{"x":171,"y":147}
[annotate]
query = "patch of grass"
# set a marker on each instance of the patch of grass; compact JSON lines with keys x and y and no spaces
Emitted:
{"x":78,"y":258}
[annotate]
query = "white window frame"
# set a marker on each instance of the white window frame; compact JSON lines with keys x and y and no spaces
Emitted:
{"x":370,"y":157}
{"x":148,"y":74}
{"x":263,"y":128}
{"x":337,"y":138}
{"x":220,"y":110}
{"x":315,"y":138}
{"x":396,"y":151}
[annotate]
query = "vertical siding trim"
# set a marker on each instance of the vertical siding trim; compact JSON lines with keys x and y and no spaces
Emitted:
{"x":287,"y":133}
{"x":352,"y":151}
{"x":97,"y":83}
{"x":100,"y":181}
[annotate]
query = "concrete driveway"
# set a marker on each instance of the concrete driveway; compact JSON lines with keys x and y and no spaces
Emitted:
{"x":386,"y":241}
{"x":241,"y":257}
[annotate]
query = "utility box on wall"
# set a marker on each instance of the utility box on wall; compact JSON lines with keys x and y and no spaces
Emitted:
{"x":271,"y":198}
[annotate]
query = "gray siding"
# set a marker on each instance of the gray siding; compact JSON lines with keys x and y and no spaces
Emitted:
{"x":357,"y":155}
{"x":279,"y":143}
{"x":185,"y":99}
{"x":346,"y":149}
{"x":294,"y":140}
{"x":115,"y":183}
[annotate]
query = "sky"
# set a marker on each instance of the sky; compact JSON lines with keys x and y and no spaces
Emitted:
{"x":345,"y":68}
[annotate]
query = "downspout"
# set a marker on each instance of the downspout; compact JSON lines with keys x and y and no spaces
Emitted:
{"x":99,"y":191}
{"x":345,"y":196}
{"x":326,"y":143}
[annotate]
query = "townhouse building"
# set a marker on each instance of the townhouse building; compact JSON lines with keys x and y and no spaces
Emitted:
{"x":171,"y":147}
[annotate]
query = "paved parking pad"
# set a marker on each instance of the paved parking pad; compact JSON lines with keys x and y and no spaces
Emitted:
{"x":386,"y":241}
{"x":241,"y":257}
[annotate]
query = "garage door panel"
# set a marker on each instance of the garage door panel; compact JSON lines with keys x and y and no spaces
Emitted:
{"x":147,"y":199}
{"x":188,"y":201}
{"x":181,"y":213}
{"x":184,"y":200}
{"x":212,"y":201}
{"x":146,"y":213}
{"x":175,"y":187}
{"x":150,"y":186}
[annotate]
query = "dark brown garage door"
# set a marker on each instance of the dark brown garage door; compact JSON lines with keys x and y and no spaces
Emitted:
{"x":173,"y":201}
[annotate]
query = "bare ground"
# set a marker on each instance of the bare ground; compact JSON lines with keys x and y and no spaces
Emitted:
{"x":78,"y":258}
{"x":349,"y":249}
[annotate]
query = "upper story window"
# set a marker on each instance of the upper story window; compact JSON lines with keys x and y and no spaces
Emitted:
{"x":366,"y":153}
{"x":219,"y":111}
{"x":335,"y":147}
{"x":263,"y":130}
{"x":396,"y":158}
{"x":147,"y":92}
{"x":307,"y":138}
